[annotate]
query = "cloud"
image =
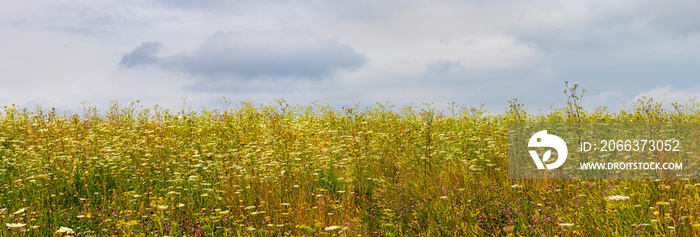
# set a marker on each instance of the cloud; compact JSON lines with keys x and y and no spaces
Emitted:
{"x":605,"y":26}
{"x":253,"y":54}
{"x":442,"y":66}
{"x":90,"y":18}
{"x":357,"y":10}
{"x":674,"y":18}
{"x":470,"y":52}
{"x":667,"y":95}
{"x":605,"y":98}
{"x":142,"y":55}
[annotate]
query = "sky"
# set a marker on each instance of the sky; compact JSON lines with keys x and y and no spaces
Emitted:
{"x":67,"y":54}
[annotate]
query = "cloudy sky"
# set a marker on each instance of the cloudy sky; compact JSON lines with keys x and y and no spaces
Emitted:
{"x":61,"y":53}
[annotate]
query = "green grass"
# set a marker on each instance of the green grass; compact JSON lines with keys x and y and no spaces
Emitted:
{"x":312,"y":170}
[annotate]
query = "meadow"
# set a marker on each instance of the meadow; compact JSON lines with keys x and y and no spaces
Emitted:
{"x":285,"y":170}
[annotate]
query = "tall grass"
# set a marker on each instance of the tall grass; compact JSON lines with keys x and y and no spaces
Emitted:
{"x":270,"y":170}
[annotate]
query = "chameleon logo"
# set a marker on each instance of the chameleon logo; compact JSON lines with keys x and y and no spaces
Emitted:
{"x":542,"y":139}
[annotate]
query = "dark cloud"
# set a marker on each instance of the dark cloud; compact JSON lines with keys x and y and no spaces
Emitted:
{"x":142,"y":55}
{"x":258,"y":54}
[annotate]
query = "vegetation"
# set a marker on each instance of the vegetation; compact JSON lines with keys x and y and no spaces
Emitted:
{"x":273,"y":170}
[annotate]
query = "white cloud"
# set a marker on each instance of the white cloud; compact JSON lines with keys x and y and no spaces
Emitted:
{"x":668,"y":95}
{"x":407,"y":39}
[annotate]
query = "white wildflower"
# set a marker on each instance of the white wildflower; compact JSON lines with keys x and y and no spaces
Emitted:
{"x":19,"y":211}
{"x":65,"y":230}
{"x":15,"y":225}
{"x":333,"y":227}
{"x":617,"y":197}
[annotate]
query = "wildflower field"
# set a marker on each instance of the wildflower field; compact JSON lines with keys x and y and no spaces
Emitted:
{"x":280,"y":170}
